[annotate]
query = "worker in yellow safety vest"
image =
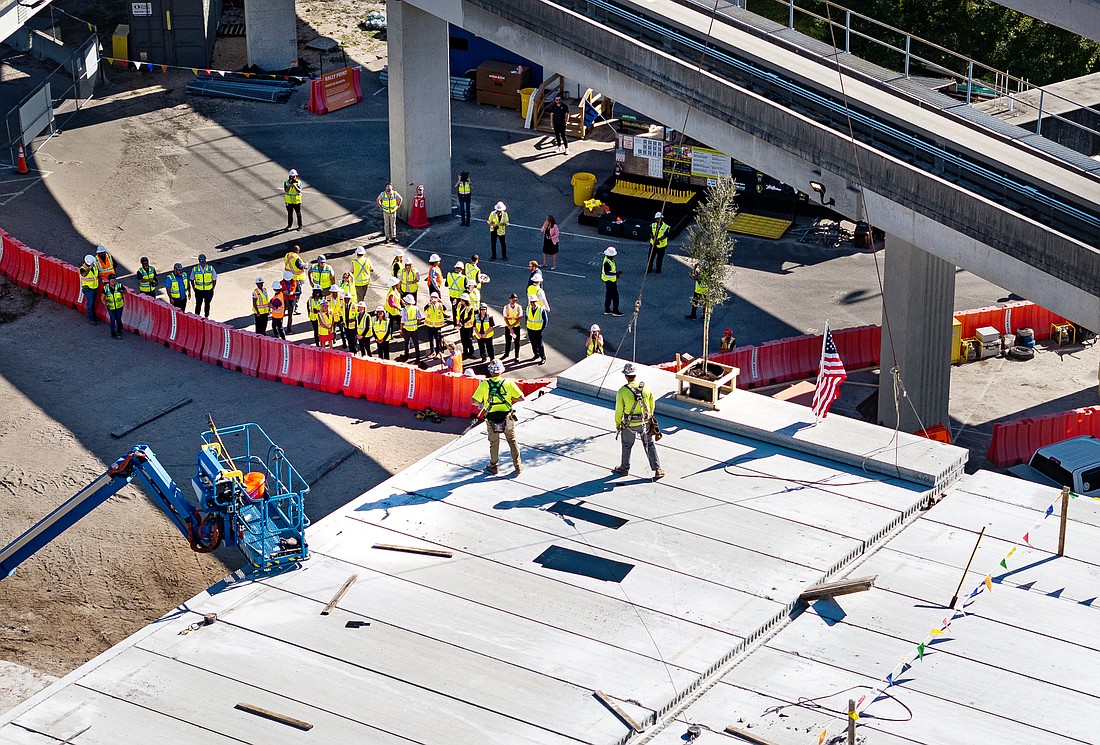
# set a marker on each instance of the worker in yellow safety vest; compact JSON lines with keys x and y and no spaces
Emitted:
{"x":321,"y":275}
{"x":89,"y":286}
{"x":537,"y":318}
{"x":314,"y":308}
{"x":633,"y":419}
{"x":389,"y":201}
{"x":658,"y":242}
{"x":594,"y":344}
{"x":410,"y":279}
{"x":362,"y":328}
{"x":393,"y":303}
{"x":292,"y":197}
{"x":113,"y":299}
{"x":325,"y":325}
{"x":456,"y":285}
{"x":349,"y":320}
{"x":463,"y":188}
{"x":699,"y":293}
{"x":464,"y":315}
{"x":178,"y":287}
{"x":293,"y":263}
{"x":498,"y":224}
{"x":261,"y":306}
{"x":495,"y":397}
{"x":147,"y":278}
{"x":610,"y":274}
{"x":484,"y":331}
{"x":381,"y":332}
{"x":203,"y":281}
{"x":410,"y":325}
{"x":435,"y":315}
{"x":361,"y":270}
{"x":513,"y":317}
{"x":398,"y":262}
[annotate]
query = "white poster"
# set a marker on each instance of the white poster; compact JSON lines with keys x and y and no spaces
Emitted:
{"x":141,"y":9}
{"x":645,"y":147}
{"x":628,"y":142}
{"x":706,"y":162}
{"x":656,"y":167}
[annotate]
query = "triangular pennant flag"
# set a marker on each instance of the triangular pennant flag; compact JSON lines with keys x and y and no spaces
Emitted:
{"x":150,"y":67}
{"x":958,"y":614}
{"x":975,"y":591}
{"x":207,"y":71}
{"x":1004,"y":563}
{"x":1010,"y":552}
{"x":194,"y":71}
{"x":91,"y":27}
{"x":1050,"y":511}
{"x":853,"y":715}
{"x":860,"y":702}
{"x":988,"y":582}
{"x":110,"y":60}
{"x":945,"y":623}
{"x":164,"y":68}
{"x":889,"y":679}
{"x":1027,"y":540}
{"x":935,"y":632}
{"x":248,"y":74}
{"x":137,"y":65}
{"x":821,"y":737}
{"x":222,"y":73}
{"x":920,"y":651}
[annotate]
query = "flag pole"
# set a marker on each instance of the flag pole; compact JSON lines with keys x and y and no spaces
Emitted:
{"x":821,"y":363}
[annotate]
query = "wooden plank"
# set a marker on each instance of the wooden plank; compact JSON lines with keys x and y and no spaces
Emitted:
{"x":414,"y":550}
{"x":840,"y":587}
{"x":127,"y":429}
{"x":274,"y":716}
{"x":339,"y":594}
{"x":626,"y":718}
{"x":744,"y":735}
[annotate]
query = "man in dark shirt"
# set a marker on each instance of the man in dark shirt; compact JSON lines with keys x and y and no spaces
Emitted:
{"x":559,"y":114}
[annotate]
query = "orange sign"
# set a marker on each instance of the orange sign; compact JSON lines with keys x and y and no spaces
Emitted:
{"x":341,"y":88}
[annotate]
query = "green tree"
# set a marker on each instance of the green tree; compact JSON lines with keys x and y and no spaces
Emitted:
{"x":710,"y":247}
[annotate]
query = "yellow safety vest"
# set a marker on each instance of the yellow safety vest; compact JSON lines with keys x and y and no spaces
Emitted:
{"x":465,"y":317}
{"x":658,"y":236}
{"x":322,"y":277}
{"x":463,"y":187}
{"x":435,"y":315}
{"x":498,"y":222}
{"x":410,"y":281}
{"x":112,"y":297}
{"x":389,"y":202}
{"x":292,"y":263}
{"x":261,"y":303}
{"x":176,"y":284}
{"x":380,"y":328}
{"x":595,"y":345}
{"x":292,"y":192}
{"x":536,"y":318}
{"x":456,"y":284}
{"x":203,"y":279}
{"x":609,"y":270}
{"x":512,"y":314}
{"x":360,"y":271}
{"x":409,"y":319}
{"x":393,"y":302}
{"x":147,"y":279}
{"x":475,"y":296}
{"x":349,"y":314}
{"x":89,"y":277}
{"x":483,"y":327}
{"x":314,"y":308}
{"x":324,"y":322}
{"x":472,"y":273}
{"x":362,"y":324}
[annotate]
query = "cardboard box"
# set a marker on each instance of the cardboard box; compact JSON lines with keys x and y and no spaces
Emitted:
{"x":499,"y":83}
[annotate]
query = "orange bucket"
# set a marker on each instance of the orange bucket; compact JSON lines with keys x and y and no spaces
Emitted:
{"x":255,"y":483}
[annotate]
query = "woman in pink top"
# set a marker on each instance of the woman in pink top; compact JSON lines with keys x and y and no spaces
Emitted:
{"x":550,"y":237}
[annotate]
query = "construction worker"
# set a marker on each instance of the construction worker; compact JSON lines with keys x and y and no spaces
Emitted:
{"x":456,"y":285}
{"x":484,"y":330}
{"x":495,"y":397}
{"x":203,"y":281}
{"x":321,"y":275}
{"x":314,"y":308}
{"x":349,"y":321}
{"x":105,"y":263}
{"x":292,"y":197}
{"x":513,"y":317}
{"x":498,"y":224}
{"x":334,"y":303}
{"x":381,"y":332}
{"x":292,"y":291}
{"x":345,"y":283}
{"x":473,"y":271}
{"x":361,"y":271}
{"x":89,"y":286}
{"x":435,"y":315}
{"x":464,"y":317}
{"x":435,"y":275}
{"x":393,"y":303}
{"x":398,"y":262}
{"x":389,"y":201}
{"x":462,"y":186}
{"x":410,"y":325}
{"x":178,"y":287}
{"x":278,"y":310}
{"x":534,"y":288}
{"x":633,"y":413}
{"x":594,"y":344}
{"x":610,"y":275}
{"x":261,"y":306}
{"x":537,"y":318}
{"x":325,"y":325}
{"x":451,"y":359}
{"x":113,"y":299}
{"x":292,"y":262}
{"x":697,"y":294}
{"x":147,"y":278}
{"x":658,"y":242}
{"x":728,"y":342}
{"x":362,"y":328}
{"x":410,"y":279}
{"x":474,"y":290}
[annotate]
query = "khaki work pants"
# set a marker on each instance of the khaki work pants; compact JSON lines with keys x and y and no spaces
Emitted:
{"x":494,"y":441}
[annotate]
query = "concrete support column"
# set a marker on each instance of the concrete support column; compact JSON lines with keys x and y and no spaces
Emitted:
{"x":420,"y":106}
{"x":918,"y":299}
{"x":271,"y":34}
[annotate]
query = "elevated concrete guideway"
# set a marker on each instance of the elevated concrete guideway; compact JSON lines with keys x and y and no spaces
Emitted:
{"x":14,"y":13}
{"x":1079,"y":16}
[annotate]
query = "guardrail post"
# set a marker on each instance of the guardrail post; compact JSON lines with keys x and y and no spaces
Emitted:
{"x":1039,"y":118}
{"x":848,"y":31}
{"x":908,"y":40}
{"x":790,"y":14}
{"x":969,"y":79}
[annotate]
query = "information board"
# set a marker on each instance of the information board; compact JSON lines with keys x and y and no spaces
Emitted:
{"x":644,"y":147}
{"x":709,"y":163}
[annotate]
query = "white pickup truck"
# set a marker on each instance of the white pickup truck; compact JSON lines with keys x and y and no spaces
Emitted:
{"x":1074,"y":463}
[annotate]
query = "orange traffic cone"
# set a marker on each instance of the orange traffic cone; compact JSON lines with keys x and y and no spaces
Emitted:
{"x":418,"y":218}
{"x":21,"y":164}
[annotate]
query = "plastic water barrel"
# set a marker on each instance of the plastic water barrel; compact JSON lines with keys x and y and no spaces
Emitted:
{"x":525,"y":100}
{"x":584,"y":185}
{"x":1025,"y":338}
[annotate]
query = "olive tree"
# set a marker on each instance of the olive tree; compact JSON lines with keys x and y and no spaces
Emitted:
{"x":710,"y":247}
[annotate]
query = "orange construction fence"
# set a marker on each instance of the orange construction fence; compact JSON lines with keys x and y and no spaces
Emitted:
{"x":1015,"y":442}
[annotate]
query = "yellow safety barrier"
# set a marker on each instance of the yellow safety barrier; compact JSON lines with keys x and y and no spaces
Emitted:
{"x":659,"y":194}
{"x":757,"y":225}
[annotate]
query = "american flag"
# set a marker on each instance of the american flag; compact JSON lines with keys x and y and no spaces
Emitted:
{"x":829,"y":377}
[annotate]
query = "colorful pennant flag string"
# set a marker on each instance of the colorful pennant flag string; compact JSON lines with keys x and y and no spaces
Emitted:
{"x":151,"y":67}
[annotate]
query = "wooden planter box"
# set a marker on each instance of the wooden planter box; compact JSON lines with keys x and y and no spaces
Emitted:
{"x":705,"y":392}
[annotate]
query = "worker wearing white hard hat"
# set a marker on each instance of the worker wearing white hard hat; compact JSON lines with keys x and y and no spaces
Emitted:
{"x":411,"y":319}
{"x":105,"y":263}
{"x":89,"y":286}
{"x":594,"y":343}
{"x":456,"y":285}
{"x":464,"y":319}
{"x":609,"y":273}
{"x":362,"y":328}
{"x":658,"y":242}
{"x":498,"y":224}
{"x":292,"y":198}
{"x":634,"y":409}
{"x":393,"y":303}
{"x":361,"y":271}
{"x":435,"y":275}
{"x":398,"y":262}
{"x":513,"y":322}
{"x":261,"y":306}
{"x":435,"y":316}
{"x":278,"y":309}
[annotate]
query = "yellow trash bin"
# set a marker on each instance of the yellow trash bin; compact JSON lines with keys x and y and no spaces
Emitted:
{"x":525,"y":100}
{"x":957,"y":353}
{"x":120,"y":42}
{"x":584,"y":185}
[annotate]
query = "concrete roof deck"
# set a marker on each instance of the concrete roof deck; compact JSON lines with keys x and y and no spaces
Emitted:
{"x":490,"y":646}
{"x":1020,"y":667}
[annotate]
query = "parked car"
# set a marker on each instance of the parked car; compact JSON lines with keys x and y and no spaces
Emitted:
{"x":1074,"y":463}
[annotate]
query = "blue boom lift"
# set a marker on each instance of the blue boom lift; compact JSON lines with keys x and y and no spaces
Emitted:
{"x":253,"y":501}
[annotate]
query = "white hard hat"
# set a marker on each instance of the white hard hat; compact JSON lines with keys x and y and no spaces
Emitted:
{"x":536,"y":277}
{"x":101,"y":250}
{"x":459,"y":265}
{"x":500,"y":207}
{"x":379,"y":309}
{"x":360,"y":251}
{"x":610,"y":251}
{"x":259,"y":280}
{"x":628,"y":369}
{"x":435,"y":295}
{"x":595,"y":327}
{"x":495,"y":367}
{"x":292,"y":172}
{"x":393,"y":282}
{"x":658,"y":216}
{"x":483,"y":306}
{"x":321,"y":258}
{"x":346,"y":294}
{"x":409,"y":299}
{"x":408,"y":259}
{"x":288,"y":275}
{"x":361,"y":304}
{"x":464,"y":296}
{"x":398,"y":252}
{"x":89,"y":259}
{"x":278,"y":284}
{"x":434,"y":258}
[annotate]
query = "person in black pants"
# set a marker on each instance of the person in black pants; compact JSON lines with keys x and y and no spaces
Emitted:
{"x":463,"y":187}
{"x":610,"y":275}
{"x":559,"y":115}
{"x":537,"y":318}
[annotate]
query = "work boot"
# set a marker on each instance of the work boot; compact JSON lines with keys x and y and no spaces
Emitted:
{"x":658,"y":474}
{"x":622,"y":471}
{"x":518,"y":467}
{"x":491,"y":468}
